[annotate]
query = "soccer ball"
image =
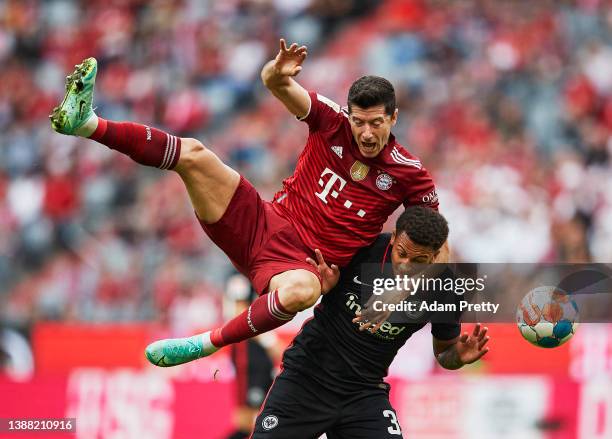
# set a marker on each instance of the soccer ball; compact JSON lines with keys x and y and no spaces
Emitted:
{"x":547,"y":317}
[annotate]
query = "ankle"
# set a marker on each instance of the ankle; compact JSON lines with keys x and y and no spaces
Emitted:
{"x":89,"y":127}
{"x":213,"y":337}
{"x":208,"y":346}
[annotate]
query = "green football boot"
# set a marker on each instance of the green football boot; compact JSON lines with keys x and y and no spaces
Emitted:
{"x":76,"y":108}
{"x":175,"y":351}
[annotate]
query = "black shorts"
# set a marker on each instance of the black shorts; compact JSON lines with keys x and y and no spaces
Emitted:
{"x":299,"y":408}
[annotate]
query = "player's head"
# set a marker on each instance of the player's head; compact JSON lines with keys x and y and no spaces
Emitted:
{"x":419,"y":234}
{"x":239,"y":295}
{"x":372,"y":113}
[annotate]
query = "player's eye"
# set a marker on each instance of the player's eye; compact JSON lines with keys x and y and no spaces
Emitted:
{"x":358,"y":122}
{"x":377,"y":123}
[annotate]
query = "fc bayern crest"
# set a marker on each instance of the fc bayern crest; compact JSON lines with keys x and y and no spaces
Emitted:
{"x":384,"y":182}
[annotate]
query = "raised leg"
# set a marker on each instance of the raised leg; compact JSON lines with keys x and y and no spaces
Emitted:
{"x":291,"y":292}
{"x":209,"y":182}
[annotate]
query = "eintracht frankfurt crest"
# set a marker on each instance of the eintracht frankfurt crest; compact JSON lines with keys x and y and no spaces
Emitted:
{"x":269,"y":422}
{"x":359,"y":171}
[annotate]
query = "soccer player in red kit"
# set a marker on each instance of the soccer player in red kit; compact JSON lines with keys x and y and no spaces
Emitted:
{"x":351,"y":175}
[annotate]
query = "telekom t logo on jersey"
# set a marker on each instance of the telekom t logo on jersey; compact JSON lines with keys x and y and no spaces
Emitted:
{"x":334,"y":188}
{"x":330,"y":184}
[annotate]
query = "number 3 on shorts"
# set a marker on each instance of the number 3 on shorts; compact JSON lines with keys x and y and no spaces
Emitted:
{"x":395,"y":428}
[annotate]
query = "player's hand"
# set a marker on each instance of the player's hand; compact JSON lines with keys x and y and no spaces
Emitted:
{"x":471,"y":347}
{"x":289,"y":61}
{"x":329,"y":275}
{"x":371,"y":319}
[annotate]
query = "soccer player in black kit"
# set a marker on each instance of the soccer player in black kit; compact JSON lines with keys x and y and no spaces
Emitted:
{"x":332,"y":379}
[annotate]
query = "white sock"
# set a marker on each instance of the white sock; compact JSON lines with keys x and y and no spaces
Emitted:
{"x":88,"y":128}
{"x":207,"y":346}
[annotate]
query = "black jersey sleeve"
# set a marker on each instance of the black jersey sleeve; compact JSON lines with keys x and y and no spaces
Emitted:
{"x":445,"y":331}
{"x":446,"y":325}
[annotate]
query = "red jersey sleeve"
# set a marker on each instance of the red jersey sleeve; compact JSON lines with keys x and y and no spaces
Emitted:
{"x":324,"y":114}
{"x":422,"y":191}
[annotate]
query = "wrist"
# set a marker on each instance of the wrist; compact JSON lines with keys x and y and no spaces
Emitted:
{"x":271,"y":75}
{"x":450,"y":359}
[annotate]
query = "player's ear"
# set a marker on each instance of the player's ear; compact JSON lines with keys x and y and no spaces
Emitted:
{"x":394,"y":117}
{"x":392,"y":237}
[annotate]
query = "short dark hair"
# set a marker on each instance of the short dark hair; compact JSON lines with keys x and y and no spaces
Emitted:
{"x":424,"y":226}
{"x":370,"y":91}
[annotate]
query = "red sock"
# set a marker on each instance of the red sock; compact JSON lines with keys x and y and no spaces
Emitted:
{"x":264,"y":314}
{"x":145,"y":145}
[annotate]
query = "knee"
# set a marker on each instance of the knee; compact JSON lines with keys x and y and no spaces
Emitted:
{"x":194,"y":155}
{"x":300,"y":295}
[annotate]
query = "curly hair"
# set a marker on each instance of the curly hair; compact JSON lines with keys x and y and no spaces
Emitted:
{"x":424,"y":226}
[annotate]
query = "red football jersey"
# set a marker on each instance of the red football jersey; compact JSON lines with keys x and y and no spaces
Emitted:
{"x":338,"y":200}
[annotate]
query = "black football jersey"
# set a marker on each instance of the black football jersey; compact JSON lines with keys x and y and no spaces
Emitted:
{"x":331,"y":349}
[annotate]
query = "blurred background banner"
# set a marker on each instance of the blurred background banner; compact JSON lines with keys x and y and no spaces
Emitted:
{"x":507,"y":103}
{"x":520,"y":389}
{"x":490,"y":293}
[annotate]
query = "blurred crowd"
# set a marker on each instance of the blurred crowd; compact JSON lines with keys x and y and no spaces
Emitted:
{"x":508,"y":104}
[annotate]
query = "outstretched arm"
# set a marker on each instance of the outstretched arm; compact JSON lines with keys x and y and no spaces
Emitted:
{"x":466,"y":349}
{"x":277,"y":75}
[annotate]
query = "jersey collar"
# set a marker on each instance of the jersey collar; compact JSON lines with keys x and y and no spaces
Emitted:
{"x":386,"y":256}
